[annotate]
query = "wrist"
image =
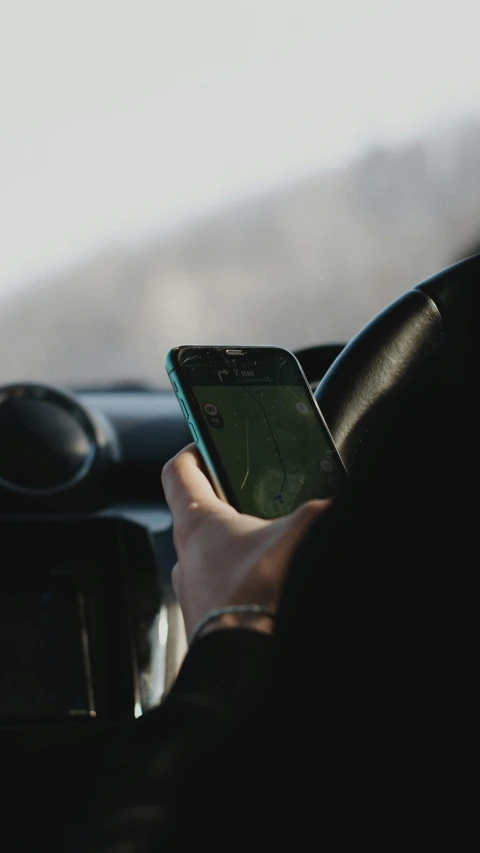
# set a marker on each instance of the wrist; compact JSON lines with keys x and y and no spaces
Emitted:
{"x":248,"y":621}
{"x":252,"y":617}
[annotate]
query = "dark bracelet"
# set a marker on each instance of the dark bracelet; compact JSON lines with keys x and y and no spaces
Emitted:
{"x":259,"y":609}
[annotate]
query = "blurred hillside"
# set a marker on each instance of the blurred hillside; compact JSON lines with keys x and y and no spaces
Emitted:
{"x":309,"y":263}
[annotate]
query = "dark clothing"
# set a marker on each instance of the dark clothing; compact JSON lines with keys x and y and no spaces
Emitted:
{"x":171,"y":754}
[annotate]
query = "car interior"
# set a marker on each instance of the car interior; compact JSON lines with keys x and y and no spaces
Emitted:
{"x":91,"y":633}
{"x":92,"y":636}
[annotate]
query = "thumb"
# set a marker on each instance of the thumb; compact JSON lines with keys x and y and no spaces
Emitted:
{"x":286,"y":535}
{"x":300,"y":521}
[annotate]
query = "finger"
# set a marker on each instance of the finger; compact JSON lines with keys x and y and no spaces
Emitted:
{"x":185,"y":485}
{"x":300,"y":521}
{"x":174,"y":579}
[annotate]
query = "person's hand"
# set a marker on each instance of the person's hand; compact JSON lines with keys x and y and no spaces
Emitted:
{"x":224,"y":557}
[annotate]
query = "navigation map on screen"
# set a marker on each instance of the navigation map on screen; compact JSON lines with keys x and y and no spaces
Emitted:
{"x":274,"y":449}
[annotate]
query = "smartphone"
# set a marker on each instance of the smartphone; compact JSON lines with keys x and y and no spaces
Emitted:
{"x":257,"y":426}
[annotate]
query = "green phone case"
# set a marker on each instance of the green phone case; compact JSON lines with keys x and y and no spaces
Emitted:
{"x":192,"y":423}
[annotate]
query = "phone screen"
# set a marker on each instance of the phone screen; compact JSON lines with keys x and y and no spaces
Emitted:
{"x":269,"y":443}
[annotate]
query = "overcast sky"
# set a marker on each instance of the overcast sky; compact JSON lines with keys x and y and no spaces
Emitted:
{"x":119,"y":118}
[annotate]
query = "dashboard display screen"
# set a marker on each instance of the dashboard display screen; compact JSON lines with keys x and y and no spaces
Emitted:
{"x":44,"y":657}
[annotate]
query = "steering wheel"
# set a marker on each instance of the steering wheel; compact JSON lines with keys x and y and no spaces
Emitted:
{"x":418,"y":342}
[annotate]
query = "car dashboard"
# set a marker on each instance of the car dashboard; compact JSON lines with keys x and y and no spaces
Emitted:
{"x":86,"y":606}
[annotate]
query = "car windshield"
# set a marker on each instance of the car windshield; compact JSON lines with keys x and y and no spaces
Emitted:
{"x":244,"y":172}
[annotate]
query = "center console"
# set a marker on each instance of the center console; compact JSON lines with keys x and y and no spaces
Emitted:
{"x":83,"y":620}
{"x":90,"y":639}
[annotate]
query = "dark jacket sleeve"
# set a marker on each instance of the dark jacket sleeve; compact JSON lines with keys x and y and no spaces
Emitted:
{"x":222,"y":678}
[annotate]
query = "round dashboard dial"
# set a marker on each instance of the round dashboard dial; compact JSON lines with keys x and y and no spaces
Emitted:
{"x":48,"y":441}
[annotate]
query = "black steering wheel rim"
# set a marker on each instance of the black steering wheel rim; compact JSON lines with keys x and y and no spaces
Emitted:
{"x":402,"y":346}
